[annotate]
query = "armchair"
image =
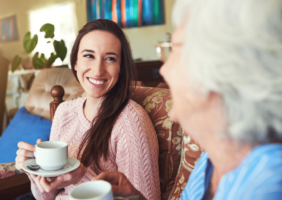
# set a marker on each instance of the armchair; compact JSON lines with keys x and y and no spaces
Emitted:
{"x":178,"y":152}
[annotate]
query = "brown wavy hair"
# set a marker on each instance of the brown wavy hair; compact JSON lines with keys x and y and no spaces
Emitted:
{"x":97,"y":137}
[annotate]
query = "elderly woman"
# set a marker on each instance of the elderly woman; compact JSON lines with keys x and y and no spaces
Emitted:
{"x":225,"y":75}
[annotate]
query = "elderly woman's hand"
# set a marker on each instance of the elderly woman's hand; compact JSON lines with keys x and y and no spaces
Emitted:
{"x":49,"y":184}
{"x":121,"y":186}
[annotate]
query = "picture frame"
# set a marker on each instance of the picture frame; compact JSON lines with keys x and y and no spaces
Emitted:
{"x":9,"y":29}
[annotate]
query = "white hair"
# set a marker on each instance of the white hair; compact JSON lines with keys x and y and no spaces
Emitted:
{"x":235,"y":49}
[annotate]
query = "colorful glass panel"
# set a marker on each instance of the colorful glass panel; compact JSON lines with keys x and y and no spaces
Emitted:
{"x":127,"y":13}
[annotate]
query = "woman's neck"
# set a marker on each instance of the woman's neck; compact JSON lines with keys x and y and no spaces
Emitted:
{"x":225,"y":156}
{"x":91,"y":107}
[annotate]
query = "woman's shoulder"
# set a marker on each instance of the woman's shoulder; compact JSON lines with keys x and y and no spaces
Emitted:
{"x":134,"y":115}
{"x":70,"y":106}
{"x":132,"y":106}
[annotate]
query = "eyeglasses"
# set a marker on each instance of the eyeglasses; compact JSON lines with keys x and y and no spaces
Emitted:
{"x":164,"y":48}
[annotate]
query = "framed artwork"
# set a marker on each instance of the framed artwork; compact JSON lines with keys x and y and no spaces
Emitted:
{"x":8,"y":29}
{"x":127,"y":13}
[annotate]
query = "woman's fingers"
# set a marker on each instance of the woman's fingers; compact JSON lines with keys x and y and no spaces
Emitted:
{"x":45,"y":185}
{"x":121,"y":191}
{"x":38,"y":141}
{"x":112,"y":177}
{"x":33,"y":176}
{"x":26,"y":146}
{"x":21,"y":159}
{"x":37,"y":182}
{"x":26,"y":153}
{"x":50,"y":179}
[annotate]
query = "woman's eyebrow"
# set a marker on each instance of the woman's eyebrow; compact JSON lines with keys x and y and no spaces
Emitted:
{"x":111,"y":53}
{"x":88,"y":50}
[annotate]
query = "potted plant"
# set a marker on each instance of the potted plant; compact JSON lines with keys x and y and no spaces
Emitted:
{"x":39,"y":61}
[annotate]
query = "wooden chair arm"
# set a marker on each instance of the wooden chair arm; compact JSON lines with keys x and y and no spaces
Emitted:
{"x":14,"y":186}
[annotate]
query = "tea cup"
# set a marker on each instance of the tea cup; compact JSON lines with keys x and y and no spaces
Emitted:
{"x":51,"y":155}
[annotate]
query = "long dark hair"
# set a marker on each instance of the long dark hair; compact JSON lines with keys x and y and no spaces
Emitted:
{"x":97,"y":137}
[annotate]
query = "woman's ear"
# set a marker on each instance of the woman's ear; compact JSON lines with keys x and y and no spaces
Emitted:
{"x":75,"y":67}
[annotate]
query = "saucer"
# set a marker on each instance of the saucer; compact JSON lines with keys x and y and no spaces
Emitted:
{"x":71,"y":165}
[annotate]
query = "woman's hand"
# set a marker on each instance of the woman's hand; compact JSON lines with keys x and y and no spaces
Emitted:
{"x":45,"y":184}
{"x":121,"y":186}
{"x":25,"y":152}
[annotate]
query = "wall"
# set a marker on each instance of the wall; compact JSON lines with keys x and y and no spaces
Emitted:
{"x":142,"y":40}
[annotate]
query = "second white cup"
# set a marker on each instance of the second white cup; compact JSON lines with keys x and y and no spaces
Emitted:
{"x":92,"y":190}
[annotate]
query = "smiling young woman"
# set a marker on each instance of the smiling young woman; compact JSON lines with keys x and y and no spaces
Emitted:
{"x":105,"y":130}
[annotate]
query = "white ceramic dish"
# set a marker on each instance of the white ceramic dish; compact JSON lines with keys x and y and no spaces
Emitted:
{"x":71,"y":165}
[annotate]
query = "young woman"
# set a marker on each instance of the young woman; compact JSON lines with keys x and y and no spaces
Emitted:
{"x":106,"y":130}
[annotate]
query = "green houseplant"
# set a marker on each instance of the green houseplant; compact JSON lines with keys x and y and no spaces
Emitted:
{"x":39,"y":61}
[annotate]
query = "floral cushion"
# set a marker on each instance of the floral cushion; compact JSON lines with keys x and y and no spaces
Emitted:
{"x":191,"y":151}
{"x":178,"y":151}
{"x":8,"y":169}
{"x":157,"y":102}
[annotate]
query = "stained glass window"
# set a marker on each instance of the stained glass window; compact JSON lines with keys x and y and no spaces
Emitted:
{"x":127,"y":13}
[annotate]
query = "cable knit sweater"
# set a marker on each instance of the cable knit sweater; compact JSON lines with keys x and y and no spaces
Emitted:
{"x":133,"y":147}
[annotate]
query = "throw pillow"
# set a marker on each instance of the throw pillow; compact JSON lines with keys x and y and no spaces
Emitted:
{"x":23,"y":127}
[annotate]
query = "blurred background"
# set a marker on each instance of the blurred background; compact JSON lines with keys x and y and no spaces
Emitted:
{"x":146,"y":23}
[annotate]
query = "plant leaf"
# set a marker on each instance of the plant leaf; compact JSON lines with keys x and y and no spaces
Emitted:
{"x":48,"y":42}
{"x":30,"y":43}
{"x":51,"y":60}
{"x":38,"y":62}
{"x":48,"y":29}
{"x":16,"y":62}
{"x":61,"y":49}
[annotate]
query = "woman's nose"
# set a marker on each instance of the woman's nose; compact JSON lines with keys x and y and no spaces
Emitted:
{"x":98,"y":68}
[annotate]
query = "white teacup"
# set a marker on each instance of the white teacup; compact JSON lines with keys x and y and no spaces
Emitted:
{"x":51,"y":155}
{"x":92,"y":190}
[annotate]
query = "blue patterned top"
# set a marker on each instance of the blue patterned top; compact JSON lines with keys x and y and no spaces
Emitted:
{"x":259,"y":176}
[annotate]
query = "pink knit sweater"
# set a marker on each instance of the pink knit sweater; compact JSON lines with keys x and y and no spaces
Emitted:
{"x":133,"y":148}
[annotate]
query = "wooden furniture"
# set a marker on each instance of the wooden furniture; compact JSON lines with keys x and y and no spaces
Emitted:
{"x":148,"y":72}
{"x":14,"y":186}
{"x":57,"y":93}
{"x":162,"y":85}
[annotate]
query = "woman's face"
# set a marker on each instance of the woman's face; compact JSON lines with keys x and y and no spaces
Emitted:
{"x":98,"y":62}
{"x":197,"y":113}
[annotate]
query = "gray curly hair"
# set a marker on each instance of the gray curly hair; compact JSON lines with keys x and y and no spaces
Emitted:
{"x":235,"y":50}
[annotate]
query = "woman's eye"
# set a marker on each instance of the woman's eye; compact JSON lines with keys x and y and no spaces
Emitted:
{"x":111,"y":59}
{"x":88,"y":56}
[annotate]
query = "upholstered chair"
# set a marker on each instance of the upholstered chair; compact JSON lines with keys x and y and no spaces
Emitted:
{"x":178,"y":152}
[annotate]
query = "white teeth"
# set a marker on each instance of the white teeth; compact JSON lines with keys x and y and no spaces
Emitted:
{"x":96,"y":82}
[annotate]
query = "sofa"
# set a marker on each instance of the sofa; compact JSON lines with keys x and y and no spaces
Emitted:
{"x":178,"y":152}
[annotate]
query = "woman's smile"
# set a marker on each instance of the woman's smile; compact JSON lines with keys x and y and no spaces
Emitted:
{"x":97,"y":82}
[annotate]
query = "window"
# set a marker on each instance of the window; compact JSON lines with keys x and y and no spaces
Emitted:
{"x":63,"y":17}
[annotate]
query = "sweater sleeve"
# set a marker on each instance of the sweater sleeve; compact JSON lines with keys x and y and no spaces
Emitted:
{"x":54,"y":135}
{"x":137,"y":151}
